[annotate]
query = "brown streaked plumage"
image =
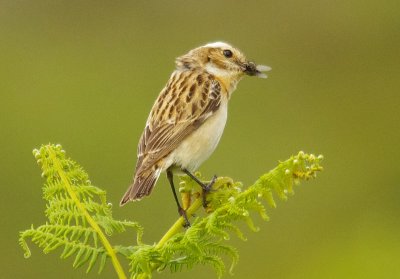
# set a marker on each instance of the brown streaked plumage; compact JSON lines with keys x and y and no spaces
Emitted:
{"x":175,"y":115}
{"x":189,"y":115}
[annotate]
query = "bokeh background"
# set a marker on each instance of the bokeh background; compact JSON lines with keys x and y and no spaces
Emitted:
{"x":85,"y":74}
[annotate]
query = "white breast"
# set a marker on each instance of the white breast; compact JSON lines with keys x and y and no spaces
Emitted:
{"x":198,"y":146}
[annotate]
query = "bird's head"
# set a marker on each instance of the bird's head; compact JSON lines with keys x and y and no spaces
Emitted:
{"x":221,"y":60}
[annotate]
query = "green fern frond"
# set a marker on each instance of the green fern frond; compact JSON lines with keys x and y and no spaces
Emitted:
{"x":111,"y":226}
{"x":204,"y":242}
{"x":77,"y":214}
{"x":79,"y":241}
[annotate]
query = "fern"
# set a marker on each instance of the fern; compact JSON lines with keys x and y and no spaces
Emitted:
{"x":77,"y":214}
{"x":205,"y":241}
{"x":79,"y":217}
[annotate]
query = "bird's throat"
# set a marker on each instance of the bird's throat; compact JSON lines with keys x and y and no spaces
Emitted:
{"x":228,"y":84}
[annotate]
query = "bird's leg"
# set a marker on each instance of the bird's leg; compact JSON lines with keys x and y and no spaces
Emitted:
{"x":181,"y":211}
{"x":206,"y":187}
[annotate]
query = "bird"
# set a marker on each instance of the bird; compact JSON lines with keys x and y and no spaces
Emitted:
{"x":188,"y":117}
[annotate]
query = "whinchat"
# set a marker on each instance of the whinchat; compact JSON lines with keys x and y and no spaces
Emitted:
{"x":189,"y":116}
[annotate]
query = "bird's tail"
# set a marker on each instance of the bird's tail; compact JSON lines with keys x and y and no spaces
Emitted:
{"x":142,"y":185}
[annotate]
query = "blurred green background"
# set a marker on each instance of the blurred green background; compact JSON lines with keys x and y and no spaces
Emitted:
{"x":85,"y":74}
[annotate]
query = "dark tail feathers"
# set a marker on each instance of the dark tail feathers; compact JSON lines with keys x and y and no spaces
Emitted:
{"x":142,"y":185}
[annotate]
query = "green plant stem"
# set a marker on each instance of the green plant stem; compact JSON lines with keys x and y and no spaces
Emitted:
{"x":95,"y":226}
{"x":175,"y":228}
{"x":178,"y":225}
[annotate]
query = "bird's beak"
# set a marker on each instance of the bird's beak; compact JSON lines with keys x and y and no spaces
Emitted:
{"x":251,"y":69}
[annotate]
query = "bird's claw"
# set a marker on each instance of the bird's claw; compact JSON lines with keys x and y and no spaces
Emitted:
{"x":208,"y":188}
{"x":182,"y":213}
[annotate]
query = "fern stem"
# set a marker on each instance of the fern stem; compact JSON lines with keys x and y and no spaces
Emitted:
{"x":178,"y":225}
{"x":95,"y":226}
{"x":174,"y":229}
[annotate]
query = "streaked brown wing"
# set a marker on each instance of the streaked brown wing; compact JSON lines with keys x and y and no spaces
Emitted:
{"x":188,"y":100}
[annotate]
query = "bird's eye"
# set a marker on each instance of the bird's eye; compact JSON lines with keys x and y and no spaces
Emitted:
{"x":227,"y":53}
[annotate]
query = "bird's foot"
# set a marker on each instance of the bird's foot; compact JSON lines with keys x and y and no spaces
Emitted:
{"x":182,"y":213}
{"x":206,"y":189}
